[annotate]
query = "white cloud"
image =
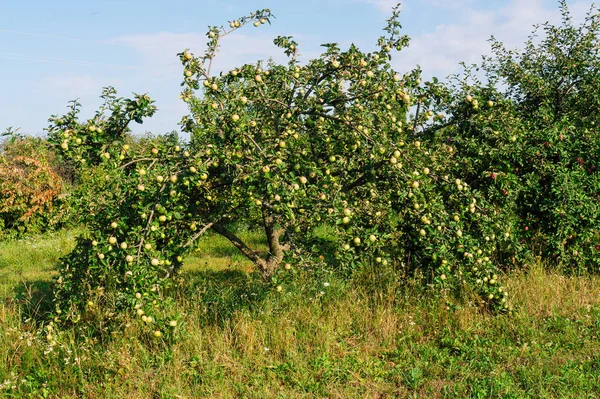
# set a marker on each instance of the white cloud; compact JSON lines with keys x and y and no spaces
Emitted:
{"x":440,"y":52}
{"x":383,"y":5}
{"x":448,"y":3}
{"x":160,"y":50}
{"x":71,"y":86}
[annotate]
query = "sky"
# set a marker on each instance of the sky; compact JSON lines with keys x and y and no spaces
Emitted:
{"x":52,"y":52}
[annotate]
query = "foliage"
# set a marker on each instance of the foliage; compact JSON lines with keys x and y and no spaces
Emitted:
{"x":528,"y":139}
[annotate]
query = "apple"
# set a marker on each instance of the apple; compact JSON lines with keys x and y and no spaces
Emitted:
{"x":356,"y":241}
{"x":258,"y":78}
{"x":154,"y":150}
{"x":123,"y":245}
{"x":372,"y":238}
{"x":266,"y":169}
{"x":303,"y":180}
{"x":415,"y":184}
{"x":162,"y":218}
{"x":148,"y":246}
{"x":187,"y":55}
{"x":214,"y":87}
{"x":94,"y":243}
{"x":129,"y":258}
{"x":188,"y":73}
{"x":370,"y":74}
{"x":235,"y":117}
{"x":173,"y":179}
{"x":193,"y":169}
{"x":155,"y":262}
{"x":422,"y":233}
{"x":157,"y":334}
{"x":101,"y":256}
{"x":345,"y":220}
{"x":257,"y":24}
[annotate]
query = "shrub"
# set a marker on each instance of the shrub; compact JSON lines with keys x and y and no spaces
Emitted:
{"x":30,"y":187}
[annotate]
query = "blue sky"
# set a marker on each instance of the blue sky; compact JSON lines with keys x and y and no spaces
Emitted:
{"x":55,"y":51}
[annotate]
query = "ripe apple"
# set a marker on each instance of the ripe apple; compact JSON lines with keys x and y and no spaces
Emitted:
{"x":356,"y":241}
{"x":123,"y":245}
{"x":112,"y":240}
{"x":235,"y":117}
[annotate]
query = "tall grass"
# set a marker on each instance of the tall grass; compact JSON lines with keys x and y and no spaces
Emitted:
{"x":369,"y":338}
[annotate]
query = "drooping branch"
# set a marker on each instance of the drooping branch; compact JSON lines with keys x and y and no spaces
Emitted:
{"x":244,"y":249}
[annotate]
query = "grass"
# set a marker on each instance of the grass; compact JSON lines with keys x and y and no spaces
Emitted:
{"x":240,"y":339}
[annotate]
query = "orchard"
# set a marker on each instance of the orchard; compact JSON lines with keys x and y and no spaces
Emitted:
{"x":450,"y":184}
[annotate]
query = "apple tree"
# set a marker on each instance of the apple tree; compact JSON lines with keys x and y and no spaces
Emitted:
{"x":284,"y":149}
{"x":528,"y":139}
